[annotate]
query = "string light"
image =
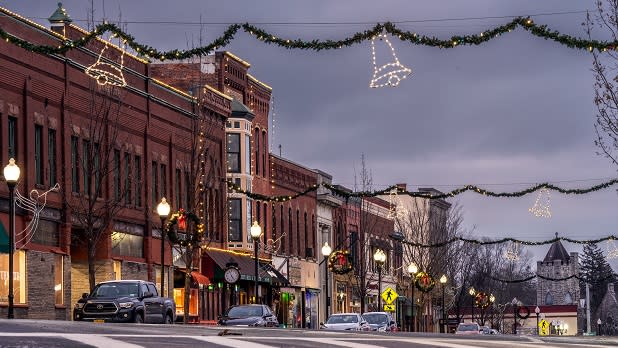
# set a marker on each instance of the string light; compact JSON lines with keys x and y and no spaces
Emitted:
{"x":612,"y":250}
{"x":389,"y":74}
{"x":541,"y":205}
{"x":395,"y":208}
{"x":512,"y":252}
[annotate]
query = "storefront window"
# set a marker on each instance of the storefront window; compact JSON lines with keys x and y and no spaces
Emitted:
{"x":124,"y":244}
{"x":179,"y":298}
{"x":59,"y":279}
{"x":19,"y":277}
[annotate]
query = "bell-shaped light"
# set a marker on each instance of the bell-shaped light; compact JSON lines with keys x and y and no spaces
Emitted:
{"x":472,"y":292}
{"x":11,"y":172}
{"x":326,"y":249}
{"x":163,"y":208}
{"x":492,"y":299}
{"x":443,"y":279}
{"x":256,"y":230}
{"x":412,"y":268}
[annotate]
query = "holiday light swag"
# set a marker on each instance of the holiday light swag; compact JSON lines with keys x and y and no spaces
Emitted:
{"x":181,"y":218}
{"x":340,"y":262}
{"x":529,"y":278}
{"x":424,"y":282}
{"x":317,"y":45}
{"x":505,"y":240}
{"x":453,"y":193}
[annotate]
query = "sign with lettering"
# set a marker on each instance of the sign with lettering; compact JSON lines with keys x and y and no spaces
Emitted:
{"x":389,"y":307}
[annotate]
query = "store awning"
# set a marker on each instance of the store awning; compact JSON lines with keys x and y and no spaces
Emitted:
{"x":200,"y":278}
{"x":4,"y":240}
{"x":276,"y":277}
{"x":196,"y":279}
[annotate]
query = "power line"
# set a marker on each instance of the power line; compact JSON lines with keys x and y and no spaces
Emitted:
{"x":339,"y":23}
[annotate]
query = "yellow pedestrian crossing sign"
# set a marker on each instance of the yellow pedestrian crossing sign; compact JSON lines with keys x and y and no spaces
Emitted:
{"x":389,"y":307}
{"x":389,"y":295}
{"x":543,"y":328}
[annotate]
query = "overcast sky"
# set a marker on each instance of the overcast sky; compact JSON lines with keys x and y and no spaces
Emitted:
{"x":504,"y":115}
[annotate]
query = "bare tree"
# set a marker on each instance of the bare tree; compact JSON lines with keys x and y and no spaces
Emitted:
{"x":604,"y":67}
{"x":95,"y":194}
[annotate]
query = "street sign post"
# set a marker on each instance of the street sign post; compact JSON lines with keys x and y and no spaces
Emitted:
{"x":389,"y":295}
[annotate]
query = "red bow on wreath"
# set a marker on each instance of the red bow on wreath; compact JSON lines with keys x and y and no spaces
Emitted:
{"x":182,"y":220}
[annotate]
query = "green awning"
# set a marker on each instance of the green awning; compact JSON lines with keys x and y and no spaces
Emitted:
{"x":4,"y":240}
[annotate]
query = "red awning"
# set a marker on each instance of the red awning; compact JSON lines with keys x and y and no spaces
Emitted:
{"x":200,"y":278}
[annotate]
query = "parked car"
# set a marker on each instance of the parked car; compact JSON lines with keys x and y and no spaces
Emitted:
{"x":346,"y":321}
{"x":380,"y":321}
{"x":132,"y":301}
{"x":468,"y":329}
{"x":249,"y":315}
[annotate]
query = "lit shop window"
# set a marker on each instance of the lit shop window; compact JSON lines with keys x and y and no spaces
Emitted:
{"x":19,"y":277}
{"x":59,"y":279}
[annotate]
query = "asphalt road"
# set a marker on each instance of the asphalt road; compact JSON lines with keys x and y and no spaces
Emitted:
{"x":42,"y":333}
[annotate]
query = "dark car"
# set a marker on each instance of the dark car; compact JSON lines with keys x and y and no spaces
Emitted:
{"x":380,"y":321}
{"x":132,"y":301}
{"x":249,"y":315}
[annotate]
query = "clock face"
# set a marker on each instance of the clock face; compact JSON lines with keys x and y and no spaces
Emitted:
{"x":231,"y":275}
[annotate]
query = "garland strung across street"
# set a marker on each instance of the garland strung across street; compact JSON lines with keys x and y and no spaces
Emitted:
{"x":317,"y":45}
{"x":506,"y":240}
{"x":387,"y":191}
{"x":536,"y":275}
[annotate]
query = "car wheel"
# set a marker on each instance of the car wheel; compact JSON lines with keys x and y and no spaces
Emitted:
{"x":168,"y":319}
{"x":139,"y":318}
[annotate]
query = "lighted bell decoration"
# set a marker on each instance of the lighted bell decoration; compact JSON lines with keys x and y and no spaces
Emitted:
{"x":541,"y":205}
{"x":389,"y":74}
{"x":105,"y":73}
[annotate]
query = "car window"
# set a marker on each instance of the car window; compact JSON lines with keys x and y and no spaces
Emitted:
{"x":468,"y":327}
{"x":144,"y":289}
{"x":376,"y":318}
{"x":342,"y":319}
{"x":245,"y":311}
{"x":152,"y":289}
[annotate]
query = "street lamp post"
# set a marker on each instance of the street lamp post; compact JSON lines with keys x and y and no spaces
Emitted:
{"x":599,"y":327}
{"x":444,"y":317}
{"x":326,"y":250}
{"x":413,"y":269}
{"x":537,"y":311}
{"x":256,"y":232}
{"x":472,"y":292}
{"x":379,"y":257}
{"x":11,"y":175}
{"x":163,"y":209}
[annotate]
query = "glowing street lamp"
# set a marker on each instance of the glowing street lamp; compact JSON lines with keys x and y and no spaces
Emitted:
{"x":11,"y":175}
{"x":256,"y":233}
{"x":326,"y":250}
{"x":380,"y":258}
{"x":444,"y":318}
{"x":163,"y":209}
{"x":413,"y":269}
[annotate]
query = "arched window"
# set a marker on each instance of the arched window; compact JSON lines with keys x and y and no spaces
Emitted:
{"x":568,"y":299}
{"x":549,"y":300}
{"x":290,"y":240}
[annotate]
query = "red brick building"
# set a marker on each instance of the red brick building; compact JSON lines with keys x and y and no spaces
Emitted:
{"x":47,"y":102}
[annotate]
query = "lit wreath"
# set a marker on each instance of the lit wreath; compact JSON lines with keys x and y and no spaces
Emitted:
{"x":525,"y":310}
{"x":424,"y":282}
{"x":340,"y":262}
{"x":181,"y":218}
{"x":481,"y":300}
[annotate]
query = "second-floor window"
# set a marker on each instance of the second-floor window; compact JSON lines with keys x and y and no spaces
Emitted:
{"x":127,"y":178}
{"x":51,"y":155}
{"x":117,"y":175}
{"x":154,"y":184}
{"x":74,"y":164}
{"x":138,"y":181}
{"x":12,"y":138}
{"x":235,"y":220}
{"x":87,"y":167}
{"x":233,"y":153}
{"x":38,"y":154}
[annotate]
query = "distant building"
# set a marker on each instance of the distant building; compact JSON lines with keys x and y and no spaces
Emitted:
{"x":607,"y":312}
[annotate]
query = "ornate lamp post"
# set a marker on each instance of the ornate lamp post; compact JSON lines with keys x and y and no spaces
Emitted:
{"x":537,"y":311}
{"x":11,"y":175}
{"x":256,"y":233}
{"x":444,"y":317}
{"x":413,"y":269}
{"x":472,"y":292}
{"x":380,"y":258}
{"x":326,"y":250}
{"x":163,"y":209}
{"x":599,"y":322}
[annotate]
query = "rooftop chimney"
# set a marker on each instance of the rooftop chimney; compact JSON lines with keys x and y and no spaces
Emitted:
{"x":59,"y":19}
